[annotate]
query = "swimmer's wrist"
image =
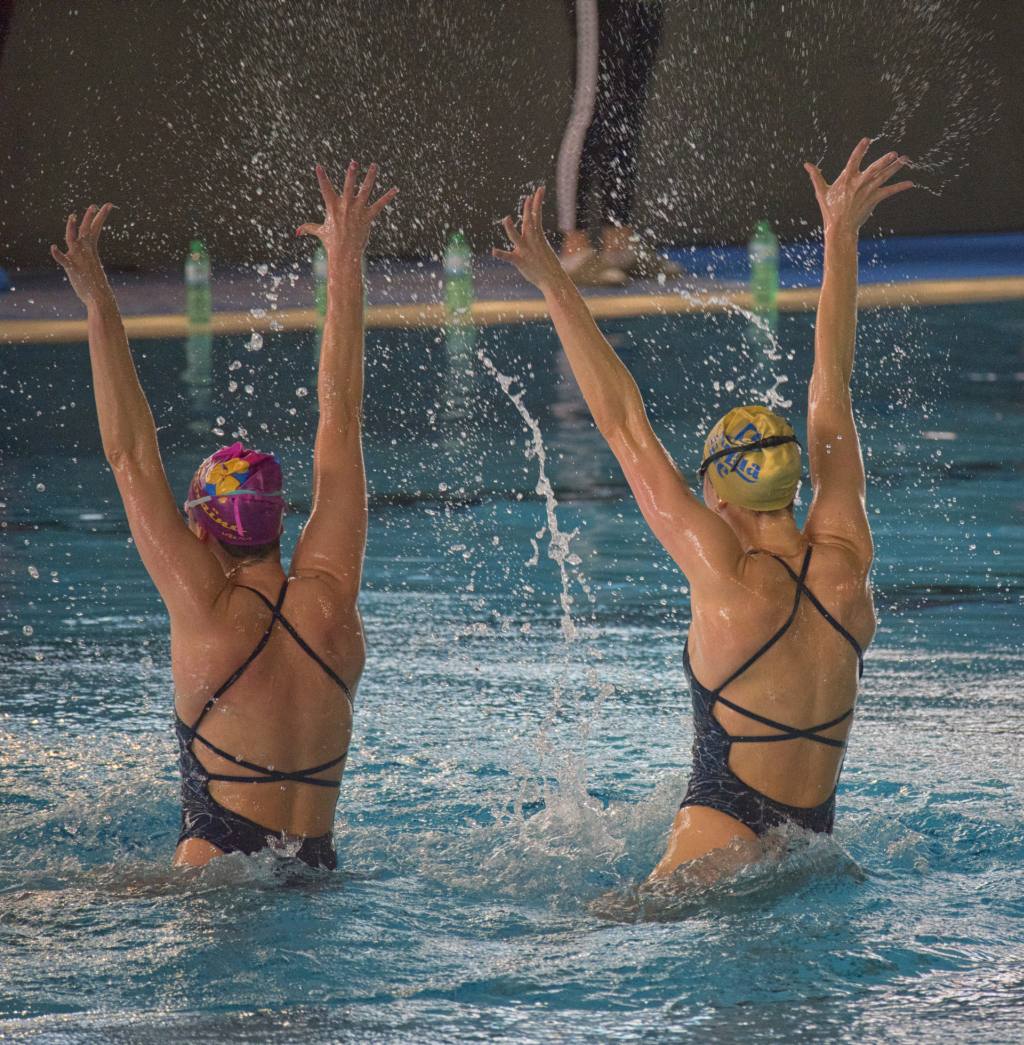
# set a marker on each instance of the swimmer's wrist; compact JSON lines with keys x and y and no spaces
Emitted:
{"x":555,"y":285}
{"x":344,"y":264}
{"x":101,"y":299}
{"x":842,"y":234}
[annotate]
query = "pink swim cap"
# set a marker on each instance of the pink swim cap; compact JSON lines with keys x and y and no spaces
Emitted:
{"x":236,"y":496}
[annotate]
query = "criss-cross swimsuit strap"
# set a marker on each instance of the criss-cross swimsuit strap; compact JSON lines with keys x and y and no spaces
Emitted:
{"x":265,"y":775}
{"x":787,"y":732}
{"x":817,"y":604}
{"x":278,"y":616}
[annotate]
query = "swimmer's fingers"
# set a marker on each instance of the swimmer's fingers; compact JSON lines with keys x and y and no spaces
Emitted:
{"x":503,"y":255}
{"x":525,"y":216}
{"x":61,"y":258}
{"x":883,"y":174}
{"x":70,"y":233}
{"x":531,"y":218}
{"x":538,"y":208}
{"x":880,"y":164}
{"x":511,"y":231}
{"x":85,"y":225}
{"x":892,"y":190}
{"x":310,"y":229}
{"x":853,"y":163}
{"x":378,"y":205}
{"x":327,"y":190}
{"x":818,"y":182}
{"x":101,"y":218}
{"x":367,"y":187}
{"x":348,"y":190}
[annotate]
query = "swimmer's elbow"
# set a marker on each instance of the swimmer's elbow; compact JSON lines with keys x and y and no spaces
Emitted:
{"x":124,"y":456}
{"x":624,"y":421}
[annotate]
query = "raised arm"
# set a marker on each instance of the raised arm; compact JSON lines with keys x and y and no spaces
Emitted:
{"x":334,"y":539}
{"x":838,"y":514}
{"x":697,"y":539}
{"x":183,"y":570}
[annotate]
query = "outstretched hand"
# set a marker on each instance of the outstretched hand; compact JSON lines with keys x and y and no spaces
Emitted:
{"x":531,"y":253}
{"x":81,"y":259}
{"x":848,"y":202}
{"x":348,"y":214}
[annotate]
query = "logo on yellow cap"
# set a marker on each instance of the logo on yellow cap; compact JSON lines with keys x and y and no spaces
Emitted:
{"x":763,"y":477}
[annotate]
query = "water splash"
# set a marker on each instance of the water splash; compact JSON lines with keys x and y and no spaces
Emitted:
{"x":570,"y":817}
{"x":559,"y":540}
{"x":761,"y":332}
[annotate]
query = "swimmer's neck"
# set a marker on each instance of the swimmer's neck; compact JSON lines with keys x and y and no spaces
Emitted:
{"x":254,"y":573}
{"x":774,"y":533}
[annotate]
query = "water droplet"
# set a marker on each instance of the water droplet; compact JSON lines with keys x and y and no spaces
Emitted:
{"x":33,"y":573}
{"x":302,"y":391}
{"x":40,"y":487}
{"x":27,"y":629}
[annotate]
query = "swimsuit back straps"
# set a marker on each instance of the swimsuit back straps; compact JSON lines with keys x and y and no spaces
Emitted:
{"x":787,"y":732}
{"x":264,"y":775}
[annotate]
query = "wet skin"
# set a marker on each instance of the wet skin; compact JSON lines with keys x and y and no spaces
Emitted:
{"x":284,"y":713}
{"x":739,"y":597}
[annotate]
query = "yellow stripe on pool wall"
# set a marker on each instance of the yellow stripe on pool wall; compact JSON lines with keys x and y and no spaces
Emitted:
{"x":493,"y":313}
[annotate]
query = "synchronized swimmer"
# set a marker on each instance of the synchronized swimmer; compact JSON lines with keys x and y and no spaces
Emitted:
{"x":266,"y":661}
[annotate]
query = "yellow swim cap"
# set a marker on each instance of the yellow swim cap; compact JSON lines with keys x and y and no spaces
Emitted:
{"x":763,"y":478}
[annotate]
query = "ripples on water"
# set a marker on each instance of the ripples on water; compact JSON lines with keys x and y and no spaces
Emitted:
{"x":508,"y":790}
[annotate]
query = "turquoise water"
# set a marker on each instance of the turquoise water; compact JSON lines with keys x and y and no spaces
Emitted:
{"x":518,"y":756}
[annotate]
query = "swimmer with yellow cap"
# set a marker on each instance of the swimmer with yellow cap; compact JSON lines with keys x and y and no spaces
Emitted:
{"x":781,"y":613}
{"x":752,"y":458}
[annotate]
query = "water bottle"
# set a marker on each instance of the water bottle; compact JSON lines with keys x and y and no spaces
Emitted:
{"x":458,"y":280}
{"x":320,"y":281}
{"x":763,"y":249}
{"x":198,"y":299}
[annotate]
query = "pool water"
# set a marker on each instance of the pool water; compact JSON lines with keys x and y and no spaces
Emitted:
{"x":522,"y":731}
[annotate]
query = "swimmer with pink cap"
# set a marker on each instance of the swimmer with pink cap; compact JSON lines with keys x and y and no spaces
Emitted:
{"x":265,"y":657}
{"x":236,"y":497}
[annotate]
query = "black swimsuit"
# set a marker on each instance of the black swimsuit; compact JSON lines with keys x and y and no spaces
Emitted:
{"x":713,"y":783}
{"x":202,"y":816}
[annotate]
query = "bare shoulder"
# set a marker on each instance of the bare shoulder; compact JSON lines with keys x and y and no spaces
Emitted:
{"x":324,"y":614}
{"x":837,"y":575}
{"x":841,"y":579}
{"x":841,"y":565}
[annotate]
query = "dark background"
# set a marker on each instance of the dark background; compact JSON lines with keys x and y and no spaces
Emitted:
{"x":206,"y":117}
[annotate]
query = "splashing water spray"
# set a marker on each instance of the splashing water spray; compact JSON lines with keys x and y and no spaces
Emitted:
{"x":571,"y":819}
{"x":559,"y":540}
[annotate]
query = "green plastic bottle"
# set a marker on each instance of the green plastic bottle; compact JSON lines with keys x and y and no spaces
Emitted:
{"x":198,"y":298}
{"x":763,"y":249}
{"x":458,"y":280}
{"x":320,"y":281}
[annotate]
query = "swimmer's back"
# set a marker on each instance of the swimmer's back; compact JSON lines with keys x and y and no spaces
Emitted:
{"x":809,"y":676}
{"x":284,"y":712}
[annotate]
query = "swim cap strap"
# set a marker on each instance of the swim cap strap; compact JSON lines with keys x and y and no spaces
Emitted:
{"x":232,"y":493}
{"x":745,"y":448}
